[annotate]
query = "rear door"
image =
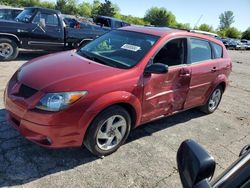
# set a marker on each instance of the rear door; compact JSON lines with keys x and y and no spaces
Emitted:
{"x":204,"y":71}
{"x":52,"y":35}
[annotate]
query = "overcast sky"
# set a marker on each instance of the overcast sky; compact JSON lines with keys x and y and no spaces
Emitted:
{"x":189,"y":11}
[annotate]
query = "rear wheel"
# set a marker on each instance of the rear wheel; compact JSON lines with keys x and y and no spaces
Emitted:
{"x":8,"y":49}
{"x":108,"y":131}
{"x":213,"y":101}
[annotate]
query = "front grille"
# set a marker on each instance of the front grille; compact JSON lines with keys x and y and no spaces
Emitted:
{"x":26,"y":91}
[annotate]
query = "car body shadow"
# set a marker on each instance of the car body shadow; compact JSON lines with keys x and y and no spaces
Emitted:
{"x":22,"y":161}
{"x":163,"y":123}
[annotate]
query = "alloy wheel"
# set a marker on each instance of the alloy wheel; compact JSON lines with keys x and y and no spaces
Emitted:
{"x":111,"y":132}
{"x":214,"y":99}
{"x":6,"y":50}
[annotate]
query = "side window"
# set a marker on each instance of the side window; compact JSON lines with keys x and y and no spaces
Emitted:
{"x":50,"y":19}
{"x":173,"y":53}
{"x":217,"y":50}
{"x":36,"y":19}
{"x":17,"y":12}
{"x":200,"y":50}
{"x":118,"y":24}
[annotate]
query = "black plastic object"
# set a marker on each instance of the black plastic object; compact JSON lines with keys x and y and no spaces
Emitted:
{"x":244,"y":150}
{"x":157,"y":68}
{"x":195,"y":165}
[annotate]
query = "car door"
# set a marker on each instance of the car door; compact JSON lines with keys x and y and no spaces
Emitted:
{"x":52,"y":35}
{"x":204,"y":70}
{"x":166,"y":93}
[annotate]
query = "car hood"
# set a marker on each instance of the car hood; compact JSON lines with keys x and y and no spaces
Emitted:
{"x":65,"y":71}
{"x":7,"y":25}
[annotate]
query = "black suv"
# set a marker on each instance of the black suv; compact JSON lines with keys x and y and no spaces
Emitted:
{"x":9,"y":13}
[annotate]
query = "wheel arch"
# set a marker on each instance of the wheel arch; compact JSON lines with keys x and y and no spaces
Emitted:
{"x":220,"y":81}
{"x":131,"y":110}
{"x":11,"y":37}
{"x":121,"y":98}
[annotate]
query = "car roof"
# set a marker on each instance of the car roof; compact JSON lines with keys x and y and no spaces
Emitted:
{"x":158,"y":31}
{"x":164,"y":31}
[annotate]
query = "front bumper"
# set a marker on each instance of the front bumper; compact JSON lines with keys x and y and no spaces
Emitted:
{"x":45,"y":135}
{"x":52,"y":130}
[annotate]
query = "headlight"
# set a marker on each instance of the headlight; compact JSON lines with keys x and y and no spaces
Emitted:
{"x":58,"y":101}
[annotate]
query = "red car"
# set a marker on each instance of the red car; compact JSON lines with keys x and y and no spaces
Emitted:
{"x":125,"y":78}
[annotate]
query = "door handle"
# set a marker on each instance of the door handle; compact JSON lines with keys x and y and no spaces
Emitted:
{"x":185,"y":75}
{"x":213,"y":69}
{"x":184,"y":72}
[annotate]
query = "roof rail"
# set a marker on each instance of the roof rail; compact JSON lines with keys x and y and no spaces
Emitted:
{"x":168,"y":27}
{"x":180,"y":29}
{"x":204,"y":33}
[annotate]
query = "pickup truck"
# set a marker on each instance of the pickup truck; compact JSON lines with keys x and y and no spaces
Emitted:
{"x":45,"y":29}
{"x":109,"y":22}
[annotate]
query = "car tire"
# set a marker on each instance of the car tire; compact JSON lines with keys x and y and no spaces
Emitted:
{"x":102,"y":137}
{"x":8,"y":49}
{"x":213,"y":101}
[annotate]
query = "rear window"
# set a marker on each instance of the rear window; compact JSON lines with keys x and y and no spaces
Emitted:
{"x":217,"y":51}
{"x":200,"y":50}
{"x":102,"y":21}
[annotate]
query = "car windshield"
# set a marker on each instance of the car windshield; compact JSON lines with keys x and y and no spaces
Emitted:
{"x":119,"y":48}
{"x":25,"y":15}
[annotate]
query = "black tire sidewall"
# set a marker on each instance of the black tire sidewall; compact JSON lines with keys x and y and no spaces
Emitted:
{"x":90,"y":137}
{"x":14,"y":46}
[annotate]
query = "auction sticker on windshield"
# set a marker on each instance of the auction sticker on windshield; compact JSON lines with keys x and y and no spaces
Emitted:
{"x":131,"y":47}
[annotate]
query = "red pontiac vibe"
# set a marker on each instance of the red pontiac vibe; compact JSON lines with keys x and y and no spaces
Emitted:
{"x":127,"y":77}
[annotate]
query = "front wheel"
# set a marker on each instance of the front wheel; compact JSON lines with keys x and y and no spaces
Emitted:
{"x":213,"y":101}
{"x":8,"y":49}
{"x":108,"y":131}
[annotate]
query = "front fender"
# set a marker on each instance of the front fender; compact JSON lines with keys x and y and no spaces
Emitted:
{"x":107,"y":100}
{"x":11,"y":37}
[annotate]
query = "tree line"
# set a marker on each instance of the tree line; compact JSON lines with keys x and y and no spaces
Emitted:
{"x":157,"y":16}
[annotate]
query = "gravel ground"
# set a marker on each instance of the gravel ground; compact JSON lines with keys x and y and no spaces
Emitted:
{"x":148,"y":159}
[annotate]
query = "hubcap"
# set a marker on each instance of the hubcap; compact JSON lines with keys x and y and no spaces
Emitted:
{"x":6,"y":50}
{"x":214,"y":100}
{"x":111,"y":132}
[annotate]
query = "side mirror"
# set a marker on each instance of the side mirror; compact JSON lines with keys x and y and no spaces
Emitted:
{"x":42,"y":23}
{"x":157,"y":68}
{"x":84,"y":42}
{"x":26,"y":19}
{"x":195,"y":165}
{"x":244,"y":150}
